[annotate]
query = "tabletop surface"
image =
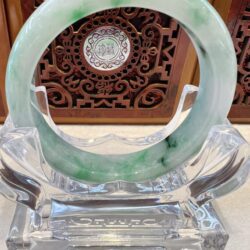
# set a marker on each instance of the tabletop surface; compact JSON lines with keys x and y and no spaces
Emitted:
{"x":234,"y":210}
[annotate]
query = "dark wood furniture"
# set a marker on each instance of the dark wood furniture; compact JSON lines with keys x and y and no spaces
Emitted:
{"x":4,"y":52}
{"x":147,"y":88}
{"x":239,"y":26}
{"x":142,"y":90}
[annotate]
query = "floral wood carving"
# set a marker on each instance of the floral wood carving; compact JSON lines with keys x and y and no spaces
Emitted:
{"x":141,"y":82}
{"x":143,"y":86}
{"x":239,"y":26}
{"x":241,"y":37}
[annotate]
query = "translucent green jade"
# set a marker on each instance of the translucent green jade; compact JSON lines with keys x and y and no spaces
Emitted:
{"x":218,"y":79}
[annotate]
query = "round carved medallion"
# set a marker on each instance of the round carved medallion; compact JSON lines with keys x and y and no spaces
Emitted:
{"x":106,"y":48}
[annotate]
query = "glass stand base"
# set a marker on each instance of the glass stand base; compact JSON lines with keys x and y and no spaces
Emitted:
{"x":138,"y":224}
{"x":171,"y":212}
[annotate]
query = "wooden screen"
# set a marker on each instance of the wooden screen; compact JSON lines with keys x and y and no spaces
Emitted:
{"x":150,"y":97}
{"x":239,"y":25}
{"x":142,"y":90}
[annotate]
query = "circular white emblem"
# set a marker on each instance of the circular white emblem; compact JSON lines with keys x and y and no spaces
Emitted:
{"x":107,"y":48}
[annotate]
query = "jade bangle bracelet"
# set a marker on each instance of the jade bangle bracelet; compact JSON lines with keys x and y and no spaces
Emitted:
{"x":218,"y":80}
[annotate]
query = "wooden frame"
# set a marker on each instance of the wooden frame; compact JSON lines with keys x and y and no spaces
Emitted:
{"x":4,"y":52}
{"x":14,"y":18}
{"x":240,"y":113}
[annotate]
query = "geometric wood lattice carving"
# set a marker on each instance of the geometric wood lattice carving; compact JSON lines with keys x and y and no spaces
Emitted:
{"x":144,"y":86}
{"x":141,"y":82}
{"x":241,"y":36}
{"x":239,"y":24}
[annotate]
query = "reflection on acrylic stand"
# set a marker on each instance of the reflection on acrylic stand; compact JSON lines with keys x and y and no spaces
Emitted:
{"x":173,"y":211}
{"x":123,"y":145}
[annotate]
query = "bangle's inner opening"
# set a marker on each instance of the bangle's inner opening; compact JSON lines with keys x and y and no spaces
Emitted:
{"x":116,"y":62}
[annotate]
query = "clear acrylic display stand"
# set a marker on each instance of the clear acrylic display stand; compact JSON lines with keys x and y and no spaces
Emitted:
{"x":174,"y":211}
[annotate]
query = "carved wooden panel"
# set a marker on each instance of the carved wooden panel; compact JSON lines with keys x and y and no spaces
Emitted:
{"x":239,"y":24}
{"x":142,"y":81}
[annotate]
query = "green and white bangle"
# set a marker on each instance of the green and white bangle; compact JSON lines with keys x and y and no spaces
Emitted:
{"x":218,"y":79}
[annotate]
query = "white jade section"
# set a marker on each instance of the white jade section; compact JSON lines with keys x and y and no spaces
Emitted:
{"x":218,"y":80}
